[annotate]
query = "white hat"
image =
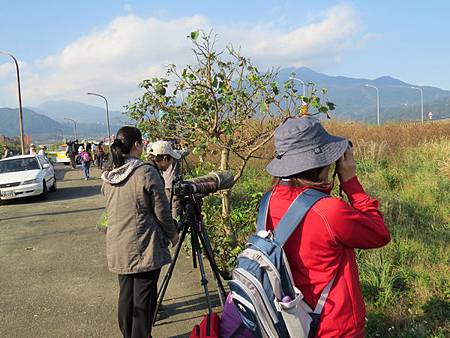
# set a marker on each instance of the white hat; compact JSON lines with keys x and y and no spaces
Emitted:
{"x":164,"y":148}
{"x":80,"y":149}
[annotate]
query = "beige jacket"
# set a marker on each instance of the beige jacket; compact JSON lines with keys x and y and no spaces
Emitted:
{"x":139,"y":218}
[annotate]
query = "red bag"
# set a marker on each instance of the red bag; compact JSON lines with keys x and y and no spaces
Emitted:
{"x":209,"y":327}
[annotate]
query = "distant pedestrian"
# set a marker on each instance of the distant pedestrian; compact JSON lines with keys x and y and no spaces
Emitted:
{"x":85,"y":161}
{"x":32,"y":149}
{"x":99,"y":155}
{"x":6,"y":152}
{"x":42,"y":150}
{"x":71,"y":154}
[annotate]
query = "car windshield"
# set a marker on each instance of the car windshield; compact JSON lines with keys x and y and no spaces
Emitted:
{"x":18,"y":164}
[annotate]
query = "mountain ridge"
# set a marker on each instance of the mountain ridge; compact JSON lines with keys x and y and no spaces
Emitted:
{"x":353,"y":100}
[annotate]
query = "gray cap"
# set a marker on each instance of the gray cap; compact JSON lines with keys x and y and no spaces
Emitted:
{"x":302,"y":144}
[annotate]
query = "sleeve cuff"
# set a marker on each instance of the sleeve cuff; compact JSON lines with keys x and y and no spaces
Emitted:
{"x":353,"y":189}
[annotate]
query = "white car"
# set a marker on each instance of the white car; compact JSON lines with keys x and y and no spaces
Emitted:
{"x":28,"y":175}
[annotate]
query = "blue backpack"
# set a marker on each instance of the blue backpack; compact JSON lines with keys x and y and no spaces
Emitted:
{"x":262,"y":286}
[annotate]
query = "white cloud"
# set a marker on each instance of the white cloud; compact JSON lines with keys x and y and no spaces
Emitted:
{"x":335,"y":31}
{"x":112,"y":61}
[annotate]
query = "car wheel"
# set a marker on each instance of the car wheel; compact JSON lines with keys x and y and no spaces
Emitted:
{"x":53,"y":188}
{"x":44,"y":194}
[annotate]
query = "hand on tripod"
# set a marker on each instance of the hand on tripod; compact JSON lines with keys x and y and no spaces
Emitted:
{"x":175,"y":239}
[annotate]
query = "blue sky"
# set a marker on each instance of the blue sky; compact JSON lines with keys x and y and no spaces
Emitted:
{"x":67,"y":48}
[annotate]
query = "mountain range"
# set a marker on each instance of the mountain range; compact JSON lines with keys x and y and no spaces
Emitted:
{"x":353,"y":99}
{"x":48,"y":121}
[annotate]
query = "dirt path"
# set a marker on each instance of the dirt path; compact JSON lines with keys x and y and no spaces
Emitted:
{"x":54,"y":281}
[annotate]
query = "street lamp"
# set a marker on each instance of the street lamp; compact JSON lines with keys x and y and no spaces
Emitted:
{"x":107,"y":114}
{"x":302,"y":82}
{"x":74,"y":126}
{"x":22,"y":145}
{"x":378,"y":102}
{"x":421,"y":101}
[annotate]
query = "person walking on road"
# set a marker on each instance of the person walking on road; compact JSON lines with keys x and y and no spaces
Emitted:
{"x":71,"y":154}
{"x":6,"y":152}
{"x":42,"y":150}
{"x":85,"y":162}
{"x":321,"y":251}
{"x":32,"y":149}
{"x":140,"y":228}
{"x":99,"y":155}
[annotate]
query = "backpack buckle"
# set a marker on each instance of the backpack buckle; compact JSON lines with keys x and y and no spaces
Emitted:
{"x":264,"y":234}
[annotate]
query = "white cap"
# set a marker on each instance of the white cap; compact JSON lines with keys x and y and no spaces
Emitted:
{"x":164,"y":148}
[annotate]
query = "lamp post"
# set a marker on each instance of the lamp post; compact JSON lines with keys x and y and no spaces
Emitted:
{"x":74,"y":126}
{"x":378,"y":102}
{"x":22,"y":145}
{"x":421,"y":101}
{"x":302,"y":82}
{"x":107,"y":114}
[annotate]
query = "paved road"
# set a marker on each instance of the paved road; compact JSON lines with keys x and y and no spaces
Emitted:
{"x":54,"y":281}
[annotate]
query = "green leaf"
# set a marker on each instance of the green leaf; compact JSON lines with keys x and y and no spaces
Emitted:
{"x":263,"y":107}
{"x":194,"y":35}
{"x":214,"y":83}
{"x":275,"y":89}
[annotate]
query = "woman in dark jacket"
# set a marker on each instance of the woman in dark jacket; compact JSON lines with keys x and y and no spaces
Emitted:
{"x":323,"y":245}
{"x":140,"y":228}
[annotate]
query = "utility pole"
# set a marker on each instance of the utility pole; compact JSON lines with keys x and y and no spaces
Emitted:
{"x":74,"y":126}
{"x":421,"y":101}
{"x":378,"y":102}
{"x":107,"y":114}
{"x":22,"y":145}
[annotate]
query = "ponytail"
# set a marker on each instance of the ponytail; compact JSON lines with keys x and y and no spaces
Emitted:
{"x":125,"y":139}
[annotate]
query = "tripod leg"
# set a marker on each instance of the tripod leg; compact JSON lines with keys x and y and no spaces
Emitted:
{"x":165,"y":283}
{"x":204,"y":281}
{"x":209,"y":255}
{"x":194,"y":257}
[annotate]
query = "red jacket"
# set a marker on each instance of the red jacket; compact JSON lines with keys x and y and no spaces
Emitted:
{"x":323,"y":246}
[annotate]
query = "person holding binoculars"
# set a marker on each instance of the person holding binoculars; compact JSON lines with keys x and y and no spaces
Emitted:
{"x":322,"y":248}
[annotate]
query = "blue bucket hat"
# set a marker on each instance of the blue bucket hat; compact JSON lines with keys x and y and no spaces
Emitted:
{"x":302,"y":144}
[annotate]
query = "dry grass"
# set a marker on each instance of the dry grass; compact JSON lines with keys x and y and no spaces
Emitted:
{"x":389,"y":138}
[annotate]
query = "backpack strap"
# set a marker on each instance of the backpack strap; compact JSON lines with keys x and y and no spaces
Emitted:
{"x":294,"y":215}
{"x":262,"y":212}
{"x":323,"y":296}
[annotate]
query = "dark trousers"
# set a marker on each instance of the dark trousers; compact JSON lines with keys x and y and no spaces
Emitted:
{"x":99,"y":160}
{"x":137,"y":303}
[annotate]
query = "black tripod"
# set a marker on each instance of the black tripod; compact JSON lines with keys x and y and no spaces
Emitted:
{"x":192,"y":222}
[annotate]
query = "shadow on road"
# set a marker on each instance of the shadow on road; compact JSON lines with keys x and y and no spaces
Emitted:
{"x":81,"y":179}
{"x":53,"y":213}
{"x":69,"y":193}
{"x":186,"y":306}
{"x":50,"y":234}
{"x":62,"y":194}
